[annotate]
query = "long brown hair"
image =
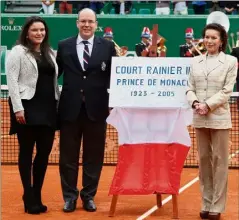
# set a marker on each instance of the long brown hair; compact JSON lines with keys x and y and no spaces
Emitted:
{"x":24,"y":40}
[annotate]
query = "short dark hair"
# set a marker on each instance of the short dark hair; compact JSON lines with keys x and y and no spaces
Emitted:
{"x":24,"y":40}
{"x":221,"y":30}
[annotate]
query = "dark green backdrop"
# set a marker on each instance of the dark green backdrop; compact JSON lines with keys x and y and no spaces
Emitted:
{"x":127,"y":29}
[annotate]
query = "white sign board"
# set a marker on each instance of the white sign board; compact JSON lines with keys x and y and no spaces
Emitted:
{"x":143,"y":82}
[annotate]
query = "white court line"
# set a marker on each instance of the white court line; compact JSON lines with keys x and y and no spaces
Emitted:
{"x":149,"y":212}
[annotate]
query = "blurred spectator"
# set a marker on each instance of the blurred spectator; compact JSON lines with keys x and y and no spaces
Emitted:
{"x":237,"y":7}
{"x":122,"y":7}
{"x":199,"y":7}
{"x":116,"y":5}
{"x":180,"y":7}
{"x":215,"y":6}
{"x":96,"y":6}
{"x":82,"y":4}
{"x":48,"y":6}
{"x":65,"y":6}
{"x":128,"y":7}
{"x":229,"y":7}
{"x":162,"y":8}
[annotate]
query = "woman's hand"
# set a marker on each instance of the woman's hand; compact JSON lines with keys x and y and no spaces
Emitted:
{"x":20,"y":117}
{"x":201,"y":108}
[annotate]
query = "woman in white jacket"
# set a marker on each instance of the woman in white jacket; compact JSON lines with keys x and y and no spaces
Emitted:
{"x":211,"y":82}
{"x":32,"y":81}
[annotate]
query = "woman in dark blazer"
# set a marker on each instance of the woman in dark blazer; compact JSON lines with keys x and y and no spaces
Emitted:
{"x":32,"y":82}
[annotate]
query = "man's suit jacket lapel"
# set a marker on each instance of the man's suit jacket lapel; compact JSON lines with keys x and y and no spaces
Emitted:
{"x":95,"y":51}
{"x":94,"y":54}
{"x":75,"y":55}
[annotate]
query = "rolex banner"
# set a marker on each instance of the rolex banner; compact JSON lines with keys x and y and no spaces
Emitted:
{"x":152,"y":128}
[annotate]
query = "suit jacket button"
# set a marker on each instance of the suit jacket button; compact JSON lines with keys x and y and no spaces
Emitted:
{"x":84,"y":77}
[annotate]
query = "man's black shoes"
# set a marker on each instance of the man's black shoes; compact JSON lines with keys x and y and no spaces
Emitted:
{"x":89,"y":205}
{"x":70,"y":206}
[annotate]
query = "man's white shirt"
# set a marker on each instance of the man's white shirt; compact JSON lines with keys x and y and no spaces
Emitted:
{"x":80,"y":48}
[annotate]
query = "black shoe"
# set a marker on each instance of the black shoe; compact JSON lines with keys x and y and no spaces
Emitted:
{"x":214,"y":215}
{"x":70,"y":206}
{"x":30,"y":205}
{"x":89,"y":205}
{"x":43,"y":208}
{"x":204,"y":214}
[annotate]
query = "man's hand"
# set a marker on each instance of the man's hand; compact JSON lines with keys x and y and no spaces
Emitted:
{"x":20,"y":117}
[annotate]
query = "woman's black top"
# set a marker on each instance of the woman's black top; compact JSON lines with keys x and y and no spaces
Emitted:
{"x":42,"y":108}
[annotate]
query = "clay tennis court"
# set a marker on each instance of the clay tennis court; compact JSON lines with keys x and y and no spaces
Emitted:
{"x":128,"y":207}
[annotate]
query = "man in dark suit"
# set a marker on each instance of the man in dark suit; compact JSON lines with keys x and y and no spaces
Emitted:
{"x":86,"y":62}
{"x":235,"y":53}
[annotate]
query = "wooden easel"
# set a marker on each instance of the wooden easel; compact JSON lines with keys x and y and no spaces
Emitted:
{"x":158,"y":202}
{"x":153,"y":47}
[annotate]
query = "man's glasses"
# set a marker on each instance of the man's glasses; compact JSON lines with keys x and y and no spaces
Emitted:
{"x":90,"y":22}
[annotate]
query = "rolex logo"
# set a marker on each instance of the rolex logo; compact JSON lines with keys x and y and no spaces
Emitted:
{"x":233,"y":40}
{"x":10,"y":26}
{"x":11,"y":21}
{"x":99,"y":29}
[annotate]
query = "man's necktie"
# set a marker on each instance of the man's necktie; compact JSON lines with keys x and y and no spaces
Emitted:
{"x":86,"y":54}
